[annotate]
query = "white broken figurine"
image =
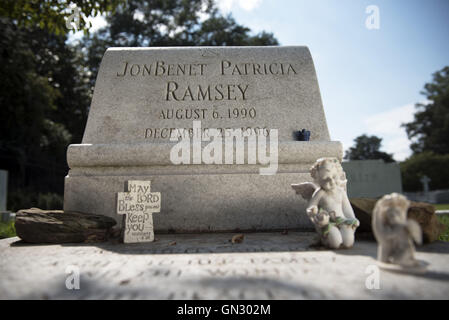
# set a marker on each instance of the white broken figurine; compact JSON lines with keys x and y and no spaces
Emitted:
{"x":395,"y":234}
{"x":328,"y":205}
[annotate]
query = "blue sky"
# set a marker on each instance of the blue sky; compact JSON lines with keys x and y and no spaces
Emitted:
{"x":369,"y":79}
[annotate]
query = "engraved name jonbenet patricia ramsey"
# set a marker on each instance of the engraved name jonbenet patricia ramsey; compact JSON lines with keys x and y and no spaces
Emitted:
{"x":211,"y":92}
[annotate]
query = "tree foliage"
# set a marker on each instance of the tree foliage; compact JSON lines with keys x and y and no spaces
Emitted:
{"x":429,"y":130}
{"x":46,"y":82}
{"x":435,"y":166}
{"x":367,"y":148}
{"x":161,"y":23}
{"x":51,"y":15}
{"x":43,"y":101}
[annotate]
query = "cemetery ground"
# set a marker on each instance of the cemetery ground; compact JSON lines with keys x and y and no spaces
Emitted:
{"x":270,"y":265}
{"x":262,"y":265}
{"x":7,"y":229}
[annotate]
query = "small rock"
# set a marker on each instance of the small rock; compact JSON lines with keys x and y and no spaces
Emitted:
{"x":238,"y":238}
{"x":423,"y":213}
{"x":115,"y":232}
{"x":124,"y":282}
{"x":57,"y":226}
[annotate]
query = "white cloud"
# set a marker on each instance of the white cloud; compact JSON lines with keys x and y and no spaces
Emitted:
{"x":247,"y":5}
{"x":387,"y":125}
{"x":98,"y":22}
{"x":138,"y":15}
{"x":202,"y":15}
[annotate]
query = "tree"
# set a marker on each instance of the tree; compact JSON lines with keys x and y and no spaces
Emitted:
{"x":41,"y":107}
{"x":367,"y":148}
{"x":26,"y":99}
{"x":51,"y":15}
{"x":61,"y":64}
{"x":46,"y":82}
{"x":435,"y":166}
{"x":160,"y":23}
{"x":429,"y":130}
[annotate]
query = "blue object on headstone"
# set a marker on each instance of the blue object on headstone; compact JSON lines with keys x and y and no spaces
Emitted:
{"x":303,"y":135}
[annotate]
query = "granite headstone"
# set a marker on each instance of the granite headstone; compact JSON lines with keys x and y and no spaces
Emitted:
{"x":145,"y":95}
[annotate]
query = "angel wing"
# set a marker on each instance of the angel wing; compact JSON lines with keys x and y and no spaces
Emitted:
{"x":305,"y":189}
{"x":414,"y":230}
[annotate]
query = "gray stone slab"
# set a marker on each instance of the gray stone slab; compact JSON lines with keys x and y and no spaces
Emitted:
{"x":209,"y":266}
{"x":203,"y":202}
{"x":139,"y":91}
{"x":280,"y":84}
{"x":372,"y":178}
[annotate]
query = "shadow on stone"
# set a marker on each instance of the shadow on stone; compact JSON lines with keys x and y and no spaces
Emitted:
{"x":267,"y":287}
{"x":204,"y":243}
{"x":431,"y":275}
{"x":360,"y":248}
{"x":215,"y":243}
{"x":439,"y":247}
{"x":90,"y":289}
{"x":229,"y":287}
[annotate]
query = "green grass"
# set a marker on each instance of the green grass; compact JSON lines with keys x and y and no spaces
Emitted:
{"x":7,"y":229}
{"x":444,"y":236}
{"x":441,"y":206}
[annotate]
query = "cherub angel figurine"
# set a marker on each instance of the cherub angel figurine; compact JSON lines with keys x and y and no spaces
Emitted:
{"x":328,"y":205}
{"x":395,"y":234}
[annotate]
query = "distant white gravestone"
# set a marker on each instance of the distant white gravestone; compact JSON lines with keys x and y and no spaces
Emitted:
{"x":372,"y":178}
{"x":138,"y":204}
{"x":425,"y":183}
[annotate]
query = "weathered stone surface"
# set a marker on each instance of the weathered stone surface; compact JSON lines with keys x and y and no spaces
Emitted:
{"x":372,"y":178}
{"x":56,"y":226}
{"x":141,"y":94}
{"x":423,"y":213}
{"x":126,"y":103}
{"x":209,"y":266}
